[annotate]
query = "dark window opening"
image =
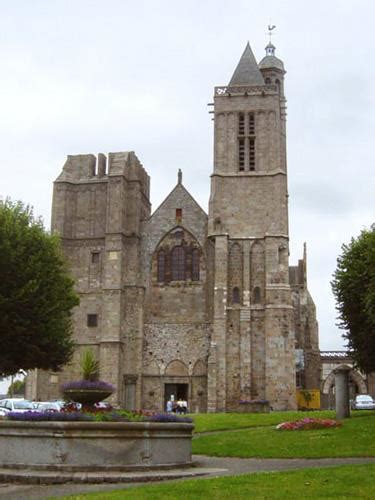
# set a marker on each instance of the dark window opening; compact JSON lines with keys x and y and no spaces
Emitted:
{"x":241,"y":154}
{"x":236,"y":295}
{"x":241,"y":124}
{"x":268,"y":81}
{"x":251,"y":154}
{"x":195,"y":264}
{"x":178,"y":263}
{"x":251,"y":124}
{"x":95,"y":257}
{"x":178,"y":214}
{"x":92,"y":320}
{"x":161,"y":266}
{"x":257,"y":295}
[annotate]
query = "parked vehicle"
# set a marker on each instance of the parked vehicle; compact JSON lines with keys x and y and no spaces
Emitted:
{"x":53,"y":406}
{"x":363,"y":402}
{"x":15,"y":404}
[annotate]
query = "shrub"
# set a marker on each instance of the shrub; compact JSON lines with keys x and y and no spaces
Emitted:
{"x":113,"y":416}
{"x":89,"y":366}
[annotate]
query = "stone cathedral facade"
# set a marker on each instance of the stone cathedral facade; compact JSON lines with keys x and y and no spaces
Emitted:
{"x":204,"y":307}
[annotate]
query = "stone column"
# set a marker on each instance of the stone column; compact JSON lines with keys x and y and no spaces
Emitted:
{"x":342,"y":391}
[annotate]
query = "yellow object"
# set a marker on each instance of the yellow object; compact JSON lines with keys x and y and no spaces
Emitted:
{"x":308,"y":399}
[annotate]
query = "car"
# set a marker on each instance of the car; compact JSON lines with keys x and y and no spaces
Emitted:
{"x":18,"y":405}
{"x":363,"y":402}
{"x":53,"y":406}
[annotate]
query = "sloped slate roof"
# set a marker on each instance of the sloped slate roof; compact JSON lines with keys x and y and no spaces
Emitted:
{"x":247,"y":71}
{"x":271,"y":62}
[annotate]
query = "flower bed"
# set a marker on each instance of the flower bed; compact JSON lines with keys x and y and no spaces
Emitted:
{"x":307,"y":424}
{"x":96,"y":416}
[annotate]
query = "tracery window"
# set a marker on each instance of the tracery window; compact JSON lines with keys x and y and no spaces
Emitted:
{"x":195,"y":265}
{"x":178,"y":263}
{"x":161,"y":266}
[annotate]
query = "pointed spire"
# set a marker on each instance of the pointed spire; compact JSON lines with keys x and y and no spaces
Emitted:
{"x":247,"y":71}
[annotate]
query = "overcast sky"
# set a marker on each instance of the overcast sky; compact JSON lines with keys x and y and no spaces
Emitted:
{"x":87,"y":76}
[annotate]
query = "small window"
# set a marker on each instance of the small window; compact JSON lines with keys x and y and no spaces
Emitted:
{"x":95,"y":257}
{"x":257,"y":295}
{"x":178,"y":214}
{"x":236,"y":295}
{"x":161,"y":266}
{"x":92,"y":320}
{"x":178,"y":263}
{"x":195,"y":264}
{"x":268,"y":81}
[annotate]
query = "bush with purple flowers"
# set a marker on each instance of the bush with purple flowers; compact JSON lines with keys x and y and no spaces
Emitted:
{"x":38,"y":416}
{"x":168,"y":417}
{"x":88,"y":385}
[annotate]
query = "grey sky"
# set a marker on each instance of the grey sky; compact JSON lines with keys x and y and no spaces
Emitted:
{"x":86,"y":76}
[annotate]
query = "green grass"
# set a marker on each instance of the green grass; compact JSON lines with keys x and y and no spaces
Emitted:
{"x":353,"y":439}
{"x":343,"y":482}
{"x":205,"y":422}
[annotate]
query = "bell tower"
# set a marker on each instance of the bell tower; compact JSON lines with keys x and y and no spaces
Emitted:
{"x":252,"y":352}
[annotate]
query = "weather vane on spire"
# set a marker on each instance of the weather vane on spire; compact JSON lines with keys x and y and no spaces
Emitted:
{"x":271,"y":27}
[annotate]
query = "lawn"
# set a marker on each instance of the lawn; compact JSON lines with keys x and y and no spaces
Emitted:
{"x":353,"y":439}
{"x":206,"y":422}
{"x":343,"y":482}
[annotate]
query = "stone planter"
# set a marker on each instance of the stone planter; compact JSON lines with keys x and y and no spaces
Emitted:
{"x":254,"y":407}
{"x":86,"y":396}
{"x":94,"y":446}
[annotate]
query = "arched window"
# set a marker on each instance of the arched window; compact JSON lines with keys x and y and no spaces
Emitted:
{"x":257,"y":295}
{"x":278,"y":85}
{"x":178,"y":263}
{"x":161,"y":266}
{"x":236,"y":295}
{"x":195,"y":264}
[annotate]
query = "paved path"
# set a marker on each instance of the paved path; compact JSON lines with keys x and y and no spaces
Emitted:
{"x":205,"y":467}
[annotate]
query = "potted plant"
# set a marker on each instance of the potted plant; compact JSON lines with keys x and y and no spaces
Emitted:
{"x":90,"y":389}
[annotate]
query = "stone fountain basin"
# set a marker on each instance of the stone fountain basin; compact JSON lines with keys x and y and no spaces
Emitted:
{"x":94,"y":446}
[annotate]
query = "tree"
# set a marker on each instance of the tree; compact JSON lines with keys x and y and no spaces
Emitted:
{"x":36,"y":294}
{"x":354,"y":289}
{"x":17,"y":387}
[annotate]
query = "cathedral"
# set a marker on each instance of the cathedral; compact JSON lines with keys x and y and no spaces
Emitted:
{"x":204,"y":307}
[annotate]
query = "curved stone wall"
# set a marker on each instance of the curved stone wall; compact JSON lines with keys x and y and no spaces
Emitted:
{"x":93,"y":446}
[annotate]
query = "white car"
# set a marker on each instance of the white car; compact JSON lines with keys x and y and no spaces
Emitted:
{"x":18,"y":405}
{"x":53,"y":406}
{"x":363,"y":402}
